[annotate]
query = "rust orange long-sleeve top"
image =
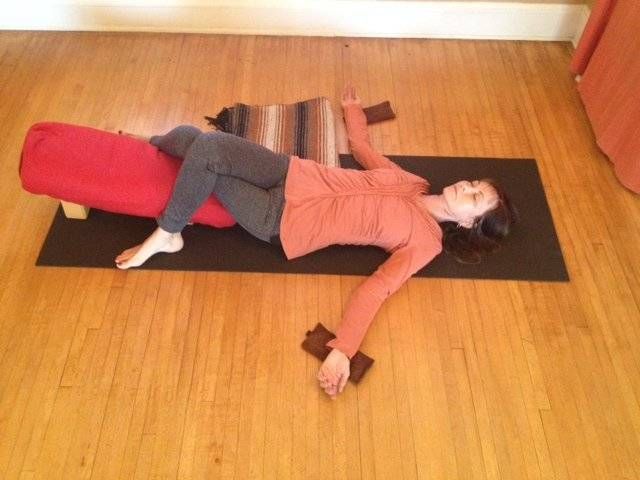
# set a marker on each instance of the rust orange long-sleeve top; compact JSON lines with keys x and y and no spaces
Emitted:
{"x":378,"y":206}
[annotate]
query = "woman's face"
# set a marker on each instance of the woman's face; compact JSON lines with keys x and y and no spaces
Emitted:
{"x":468,"y":200}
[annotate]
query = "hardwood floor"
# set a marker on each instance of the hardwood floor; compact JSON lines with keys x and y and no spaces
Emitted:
{"x":146,"y":374}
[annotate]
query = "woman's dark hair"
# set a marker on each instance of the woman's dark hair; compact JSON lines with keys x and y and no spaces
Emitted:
{"x":468,"y":245}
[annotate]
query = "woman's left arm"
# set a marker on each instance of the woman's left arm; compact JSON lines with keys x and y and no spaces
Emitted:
{"x":365,"y":302}
{"x":367,"y":299}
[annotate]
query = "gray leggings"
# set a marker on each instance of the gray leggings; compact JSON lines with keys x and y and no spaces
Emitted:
{"x":247,"y":178}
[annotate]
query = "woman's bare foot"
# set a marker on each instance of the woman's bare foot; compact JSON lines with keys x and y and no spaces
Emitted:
{"x":159,"y":241}
{"x":133,"y":135}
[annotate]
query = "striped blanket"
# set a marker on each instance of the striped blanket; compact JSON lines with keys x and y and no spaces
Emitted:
{"x":305,"y":129}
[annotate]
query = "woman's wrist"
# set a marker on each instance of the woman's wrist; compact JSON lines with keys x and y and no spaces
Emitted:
{"x":341,"y":352}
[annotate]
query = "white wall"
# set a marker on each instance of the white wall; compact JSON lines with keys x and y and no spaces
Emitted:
{"x":376,"y":18}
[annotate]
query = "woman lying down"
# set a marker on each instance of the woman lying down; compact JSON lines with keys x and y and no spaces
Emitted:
{"x":305,"y":206}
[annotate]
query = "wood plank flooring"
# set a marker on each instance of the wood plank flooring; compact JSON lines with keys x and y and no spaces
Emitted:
{"x":106,"y":374}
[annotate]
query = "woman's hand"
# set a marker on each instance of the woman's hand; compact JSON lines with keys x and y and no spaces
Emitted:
{"x":349,"y":96}
{"x":334,"y":373}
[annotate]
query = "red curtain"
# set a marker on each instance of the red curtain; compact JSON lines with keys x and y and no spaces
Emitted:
{"x":608,"y":58}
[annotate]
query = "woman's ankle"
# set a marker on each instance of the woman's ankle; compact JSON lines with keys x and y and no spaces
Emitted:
{"x":162,"y":233}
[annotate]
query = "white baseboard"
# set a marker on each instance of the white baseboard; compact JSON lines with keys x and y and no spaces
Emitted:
{"x":357,"y":18}
{"x":582,"y":22}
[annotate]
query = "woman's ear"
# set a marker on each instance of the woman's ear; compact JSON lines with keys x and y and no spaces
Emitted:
{"x":467,"y":223}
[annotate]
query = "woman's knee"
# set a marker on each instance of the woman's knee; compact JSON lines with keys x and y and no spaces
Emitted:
{"x":178,"y":141}
{"x":187,"y":131}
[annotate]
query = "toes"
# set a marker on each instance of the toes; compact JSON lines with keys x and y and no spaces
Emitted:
{"x":123,"y":257}
{"x":127,"y":254}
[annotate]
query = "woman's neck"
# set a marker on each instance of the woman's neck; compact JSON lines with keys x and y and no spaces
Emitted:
{"x":437,"y":208}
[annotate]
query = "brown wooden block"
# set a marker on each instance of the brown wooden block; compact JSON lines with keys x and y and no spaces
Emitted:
{"x":379,"y":113}
{"x":315,"y":344}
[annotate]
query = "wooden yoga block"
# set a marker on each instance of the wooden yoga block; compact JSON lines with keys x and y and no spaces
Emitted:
{"x":73,"y":210}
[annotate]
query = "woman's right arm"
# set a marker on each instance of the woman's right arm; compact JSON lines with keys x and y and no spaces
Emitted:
{"x":356,"y":122}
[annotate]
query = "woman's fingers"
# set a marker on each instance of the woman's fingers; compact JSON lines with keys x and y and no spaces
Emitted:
{"x":329,"y":387}
{"x":325,"y":383}
{"x":329,"y":375}
{"x":332,"y":380}
{"x":349,"y":93}
{"x":326,"y":380}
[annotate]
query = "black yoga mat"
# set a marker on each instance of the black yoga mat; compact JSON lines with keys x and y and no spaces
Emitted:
{"x":531,"y":252}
